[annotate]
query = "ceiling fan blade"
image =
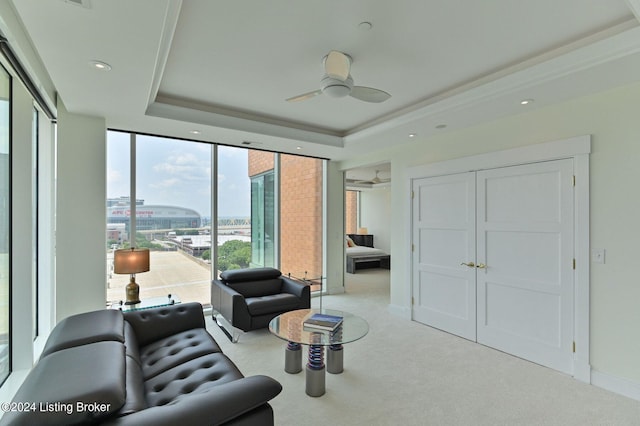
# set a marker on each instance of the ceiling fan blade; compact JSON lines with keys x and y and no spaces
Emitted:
{"x":305,"y":96}
{"x":337,"y":65}
{"x":369,"y":94}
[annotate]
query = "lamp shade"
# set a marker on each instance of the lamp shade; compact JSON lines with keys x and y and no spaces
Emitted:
{"x":363,"y":231}
{"x":131,"y":261}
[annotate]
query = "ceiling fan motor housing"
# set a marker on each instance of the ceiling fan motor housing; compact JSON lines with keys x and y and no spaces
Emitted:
{"x":336,"y":88}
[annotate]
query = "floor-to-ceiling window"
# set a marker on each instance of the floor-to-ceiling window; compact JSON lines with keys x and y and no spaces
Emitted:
{"x":172,"y":186}
{"x":233,"y":224}
{"x":34,"y":220}
{"x":171,"y":191}
{"x":5,"y":224}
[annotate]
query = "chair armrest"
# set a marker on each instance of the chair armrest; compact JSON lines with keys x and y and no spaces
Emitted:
{"x":232,"y":305}
{"x":213,"y":406}
{"x":154,"y":324}
{"x":300,"y":289}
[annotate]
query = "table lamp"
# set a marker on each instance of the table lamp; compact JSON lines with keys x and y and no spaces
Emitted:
{"x":363,"y":231}
{"x":131,"y":261}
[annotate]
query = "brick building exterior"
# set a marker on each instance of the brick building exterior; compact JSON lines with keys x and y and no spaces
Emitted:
{"x":300,"y":210}
{"x":351,"y":212}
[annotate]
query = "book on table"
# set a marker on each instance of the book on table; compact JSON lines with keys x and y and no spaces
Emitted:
{"x":323,"y":322}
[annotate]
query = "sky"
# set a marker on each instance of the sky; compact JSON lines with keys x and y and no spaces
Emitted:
{"x":178,"y":173}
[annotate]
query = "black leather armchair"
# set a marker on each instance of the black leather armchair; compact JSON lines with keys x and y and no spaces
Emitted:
{"x":249,"y":298}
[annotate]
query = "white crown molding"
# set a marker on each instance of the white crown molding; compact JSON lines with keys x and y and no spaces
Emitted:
{"x":609,"y":45}
{"x":166,"y":38}
{"x":208,"y":115}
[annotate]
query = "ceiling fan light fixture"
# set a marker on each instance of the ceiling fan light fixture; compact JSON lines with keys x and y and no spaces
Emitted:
{"x":338,"y":83}
{"x":336,"y":88}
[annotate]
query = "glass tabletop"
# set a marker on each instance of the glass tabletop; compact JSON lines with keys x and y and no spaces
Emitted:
{"x":290,"y":327}
{"x":151,"y":302}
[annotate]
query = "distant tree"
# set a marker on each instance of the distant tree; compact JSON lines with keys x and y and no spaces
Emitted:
{"x":234,"y":254}
{"x":142,"y":242}
{"x":206,"y":255}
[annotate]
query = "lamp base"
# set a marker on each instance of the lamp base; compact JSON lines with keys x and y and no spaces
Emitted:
{"x":133,"y":292}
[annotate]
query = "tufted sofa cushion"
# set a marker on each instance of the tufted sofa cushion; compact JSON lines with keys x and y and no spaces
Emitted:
{"x":154,"y":324}
{"x":193,"y":376}
{"x":177,"y":349}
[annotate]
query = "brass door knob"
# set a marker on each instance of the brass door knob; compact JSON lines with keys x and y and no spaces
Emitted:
{"x":481,"y":266}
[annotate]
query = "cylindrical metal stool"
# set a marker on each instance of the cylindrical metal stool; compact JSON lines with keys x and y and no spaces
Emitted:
{"x":293,"y":358}
{"x":335,"y":357}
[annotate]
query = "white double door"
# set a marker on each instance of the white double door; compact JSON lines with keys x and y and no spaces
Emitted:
{"x":493,"y":259}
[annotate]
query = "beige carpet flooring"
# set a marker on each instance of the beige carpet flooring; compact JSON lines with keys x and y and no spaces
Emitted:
{"x":405,"y":373}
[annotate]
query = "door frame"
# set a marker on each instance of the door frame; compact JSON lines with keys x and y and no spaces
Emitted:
{"x":576,"y":148}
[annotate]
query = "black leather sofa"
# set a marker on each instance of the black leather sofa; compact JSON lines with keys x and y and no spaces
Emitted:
{"x":249,"y":298}
{"x":150,"y":367}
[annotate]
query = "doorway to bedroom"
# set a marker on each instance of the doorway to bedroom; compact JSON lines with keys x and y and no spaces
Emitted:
{"x":367,"y":221}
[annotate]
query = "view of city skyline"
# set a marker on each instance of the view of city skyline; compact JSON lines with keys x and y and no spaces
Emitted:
{"x":176,"y":173}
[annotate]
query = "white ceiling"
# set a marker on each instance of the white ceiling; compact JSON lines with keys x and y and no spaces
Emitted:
{"x":225,"y":68}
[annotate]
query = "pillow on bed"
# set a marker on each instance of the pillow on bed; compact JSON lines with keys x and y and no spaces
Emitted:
{"x":350,"y":242}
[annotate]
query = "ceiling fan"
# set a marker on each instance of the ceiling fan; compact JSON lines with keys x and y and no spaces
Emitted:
{"x":337,"y":82}
{"x":375,"y":180}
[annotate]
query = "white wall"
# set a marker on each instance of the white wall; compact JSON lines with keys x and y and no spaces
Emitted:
{"x":612,"y":120}
{"x":334,"y":229}
{"x":375,"y":215}
{"x":81,"y":219}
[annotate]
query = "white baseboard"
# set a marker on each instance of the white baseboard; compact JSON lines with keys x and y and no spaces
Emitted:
{"x":582,"y":371}
{"x":400,"y":311}
{"x":624,"y":387}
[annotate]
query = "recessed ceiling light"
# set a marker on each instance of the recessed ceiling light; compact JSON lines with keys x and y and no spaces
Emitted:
{"x":412,"y":135}
{"x":298,"y":147}
{"x":526,"y":101}
{"x":99,"y":65}
{"x":194,"y":132}
{"x":441,"y":126}
{"x":365,"y":26}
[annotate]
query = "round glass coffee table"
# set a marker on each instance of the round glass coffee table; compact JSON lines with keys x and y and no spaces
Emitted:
{"x":290,"y":327}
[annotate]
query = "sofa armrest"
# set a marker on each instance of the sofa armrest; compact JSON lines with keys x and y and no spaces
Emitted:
{"x":154,"y":324}
{"x":213,"y":406}
{"x":300,"y":289}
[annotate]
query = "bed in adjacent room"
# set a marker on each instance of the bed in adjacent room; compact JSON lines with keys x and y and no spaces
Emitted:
{"x":361,"y":254}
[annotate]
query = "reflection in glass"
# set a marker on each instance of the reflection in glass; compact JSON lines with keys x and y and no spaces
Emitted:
{"x":262,"y":220}
{"x":5,"y":208}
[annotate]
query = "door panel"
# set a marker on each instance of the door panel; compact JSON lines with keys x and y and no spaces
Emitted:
{"x":444,"y":291}
{"x":525,"y":239}
{"x":515,"y":311}
{"x":537,"y":253}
